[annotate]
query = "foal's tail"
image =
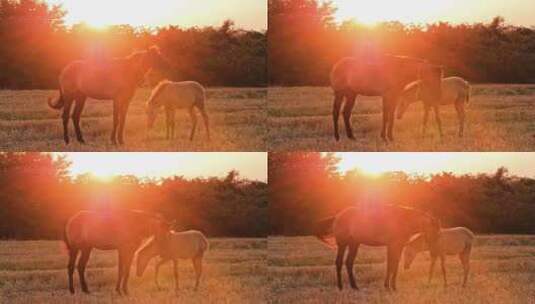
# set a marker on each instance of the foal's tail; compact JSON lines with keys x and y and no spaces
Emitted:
{"x":58,"y":103}
{"x":199,"y":104}
{"x":323,"y":230}
{"x":204,"y":246}
{"x":468,"y":93}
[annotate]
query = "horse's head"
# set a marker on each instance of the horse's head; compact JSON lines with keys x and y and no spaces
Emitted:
{"x":431,"y":78}
{"x":155,"y":59}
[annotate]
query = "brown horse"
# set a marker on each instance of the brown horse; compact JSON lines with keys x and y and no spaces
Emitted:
{"x":386,"y":77}
{"x":377,"y":225}
{"x":114,"y":79}
{"x":121,"y":230}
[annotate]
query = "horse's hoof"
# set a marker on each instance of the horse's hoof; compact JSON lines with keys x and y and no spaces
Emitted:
{"x":355,"y":287}
{"x":71,"y":290}
{"x":81,"y":141}
{"x":86,"y":291}
{"x":351,"y":137}
{"x":66,"y":141}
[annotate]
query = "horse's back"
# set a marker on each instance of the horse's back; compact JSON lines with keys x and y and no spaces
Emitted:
{"x":186,"y":244}
{"x":103,"y":230}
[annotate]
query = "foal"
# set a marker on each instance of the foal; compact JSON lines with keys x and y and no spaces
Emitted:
{"x":455,"y":91}
{"x":450,"y":241}
{"x":190,"y":244}
{"x":177,"y":95}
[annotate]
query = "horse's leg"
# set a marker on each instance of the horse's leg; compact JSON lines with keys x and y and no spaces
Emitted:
{"x":426,"y":118}
{"x":431,"y":268}
{"x":172,"y":123}
{"x":442,"y":258}
{"x":338,"y":99}
{"x":129,"y":255}
{"x":396,"y":255}
{"x":459,"y":106}
{"x":84,"y":258}
{"x":350,"y":260}
{"x":116,"y":105}
{"x":193,"y":122}
{"x":78,"y":108}
{"x":156,"y":270}
{"x":167,"y":123}
{"x":197,"y":264}
{"x":119,"y":271}
{"x":122,"y":119}
{"x":385,"y":118}
{"x":65,"y":116}
{"x":348,"y":109}
{"x":339,"y":263}
{"x":73,"y":254}
{"x":391,"y":117}
{"x":388,"y":267}
{"x":437,"y":119}
{"x":175,"y":274}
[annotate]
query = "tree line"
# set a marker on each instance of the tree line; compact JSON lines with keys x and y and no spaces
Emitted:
{"x":38,"y":195}
{"x":304,"y":42}
{"x":306,"y":187}
{"x":35,"y":44}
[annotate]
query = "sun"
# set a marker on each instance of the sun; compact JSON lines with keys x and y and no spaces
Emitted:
{"x":407,"y":11}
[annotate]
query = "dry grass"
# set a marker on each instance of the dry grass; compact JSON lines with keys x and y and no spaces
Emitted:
{"x":238,"y":118}
{"x":302,"y":271}
{"x":34,"y":272}
{"x":499,"y":118}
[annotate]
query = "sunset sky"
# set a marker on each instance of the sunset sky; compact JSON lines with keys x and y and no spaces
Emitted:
{"x":522,"y":164}
{"x":249,"y":14}
{"x":156,"y":165}
{"x":518,"y":12}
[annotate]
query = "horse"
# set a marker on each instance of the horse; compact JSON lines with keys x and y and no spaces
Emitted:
{"x":374,"y":225}
{"x":121,"y":230}
{"x":189,"y":244}
{"x":177,"y":95}
{"x":114,"y":79}
{"x":386,"y":77}
{"x":455,"y":90}
{"x":450,"y":241}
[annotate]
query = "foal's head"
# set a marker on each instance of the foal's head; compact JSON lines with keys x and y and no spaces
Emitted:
{"x":145,"y":254}
{"x":410,"y":94}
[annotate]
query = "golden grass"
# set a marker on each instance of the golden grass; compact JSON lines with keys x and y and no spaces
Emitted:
{"x":35,"y":272}
{"x":238,"y":123}
{"x":499,"y":118}
{"x":302,"y":270}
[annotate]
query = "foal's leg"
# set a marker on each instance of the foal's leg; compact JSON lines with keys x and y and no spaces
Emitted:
{"x":431,"y":268}
{"x":338,"y":99}
{"x":73,"y":254}
{"x":78,"y":108}
{"x":465,"y":260}
{"x":391,"y":117}
{"x":459,"y":106}
{"x":442,"y":258}
{"x":156,"y":270}
{"x":197,"y":264}
{"x":193,"y":116}
{"x":437,"y":118}
{"x":65,"y":116}
{"x":339,"y":263}
{"x":81,"y":268}
{"x":175,"y":273}
{"x":348,"y":109}
{"x":385,"y":118}
{"x":350,"y":260}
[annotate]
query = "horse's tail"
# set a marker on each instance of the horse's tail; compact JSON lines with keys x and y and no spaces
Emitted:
{"x":58,"y":103}
{"x":204,"y":246}
{"x":200,"y":100}
{"x":468,"y":93}
{"x":323,"y":230}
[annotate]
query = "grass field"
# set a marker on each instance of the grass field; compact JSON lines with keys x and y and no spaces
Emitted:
{"x":499,"y":118}
{"x":238,"y":123}
{"x":35,"y":272}
{"x":503,"y":271}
